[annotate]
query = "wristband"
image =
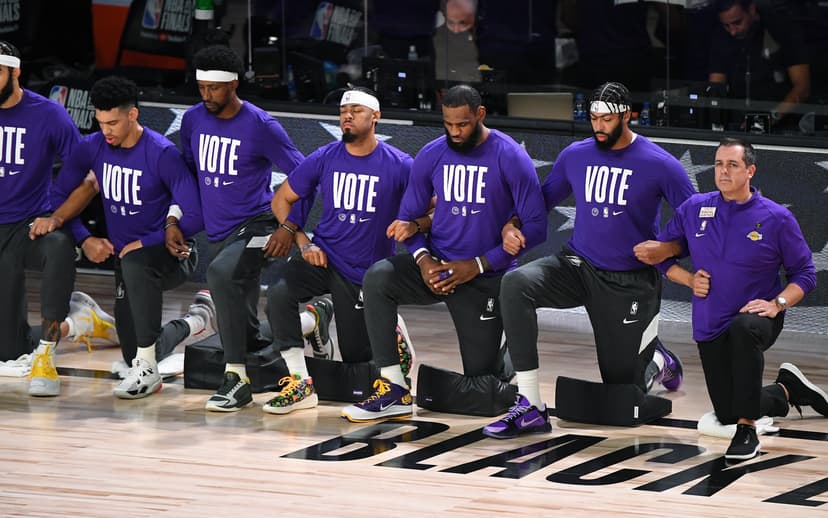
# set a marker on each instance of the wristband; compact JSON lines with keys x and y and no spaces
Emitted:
{"x":291,"y":230}
{"x":304,"y":248}
{"x":417,"y":224}
{"x":421,"y":257}
{"x":479,"y":263}
{"x":170,"y":224}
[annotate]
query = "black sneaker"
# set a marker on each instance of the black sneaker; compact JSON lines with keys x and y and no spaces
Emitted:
{"x":745,"y":443}
{"x":233,"y":395}
{"x":320,"y":338}
{"x":802,"y":392}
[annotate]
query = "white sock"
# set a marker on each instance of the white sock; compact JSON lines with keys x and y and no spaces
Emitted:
{"x":308,"y":322}
{"x":238,"y":368}
{"x":658,"y":359}
{"x":394,"y":374}
{"x":295,"y":361}
{"x":196,"y":323}
{"x":43,"y":345}
{"x":529,"y":387}
{"x":147,"y":354}
{"x":70,"y":333}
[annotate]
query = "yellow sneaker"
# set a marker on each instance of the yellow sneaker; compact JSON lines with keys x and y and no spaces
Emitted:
{"x":90,"y":321}
{"x":44,"y":380}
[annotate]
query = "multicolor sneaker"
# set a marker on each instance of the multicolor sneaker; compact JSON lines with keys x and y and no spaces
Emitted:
{"x":90,"y":321}
{"x":204,"y":308}
{"x":141,"y":381}
{"x":44,"y":380}
{"x":801,"y":392}
{"x":523,"y":418}
{"x":296,"y":394}
{"x":405,"y":347}
{"x":672,"y":373}
{"x":745,"y":444}
{"x":388,"y":400}
{"x":320,"y":338}
{"x":233,"y":395}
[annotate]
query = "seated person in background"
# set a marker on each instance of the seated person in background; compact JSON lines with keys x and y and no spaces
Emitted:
{"x":760,"y":58}
{"x":455,"y":43}
{"x":739,"y":301}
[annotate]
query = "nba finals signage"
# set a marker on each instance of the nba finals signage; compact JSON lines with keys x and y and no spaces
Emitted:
{"x":74,"y":96}
{"x":159,"y":26}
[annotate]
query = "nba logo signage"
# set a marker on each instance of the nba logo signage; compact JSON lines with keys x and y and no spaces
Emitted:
{"x":77,"y":104}
{"x":152,"y":14}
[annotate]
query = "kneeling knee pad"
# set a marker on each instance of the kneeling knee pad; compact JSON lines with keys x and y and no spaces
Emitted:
{"x":607,"y":403}
{"x":204,"y":366}
{"x":340,"y":381}
{"x":451,"y":392}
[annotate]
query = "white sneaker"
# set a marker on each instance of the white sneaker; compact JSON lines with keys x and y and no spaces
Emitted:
{"x":204,"y":308}
{"x":90,"y":322}
{"x":141,"y":381}
{"x":18,"y":368}
{"x":171,"y":366}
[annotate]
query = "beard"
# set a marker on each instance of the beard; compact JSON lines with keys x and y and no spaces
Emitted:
{"x":348,"y":137}
{"x":468,"y":144}
{"x":7,"y":91}
{"x":612,"y":138}
{"x":218,"y":108}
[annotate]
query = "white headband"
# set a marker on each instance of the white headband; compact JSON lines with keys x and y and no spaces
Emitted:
{"x":360,"y":97}
{"x":220,"y":76}
{"x":605,"y":107}
{"x":10,"y":61}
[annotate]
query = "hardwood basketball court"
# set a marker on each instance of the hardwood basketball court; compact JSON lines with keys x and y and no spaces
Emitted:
{"x":87,"y":453}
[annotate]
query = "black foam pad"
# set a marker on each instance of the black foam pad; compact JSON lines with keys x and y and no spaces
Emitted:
{"x":607,"y":403}
{"x":339,"y":381}
{"x":204,"y":366}
{"x":447,"y":391}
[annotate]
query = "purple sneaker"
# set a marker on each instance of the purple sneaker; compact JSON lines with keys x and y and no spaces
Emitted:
{"x":672,"y":373}
{"x":522,"y":418}
{"x":388,"y":400}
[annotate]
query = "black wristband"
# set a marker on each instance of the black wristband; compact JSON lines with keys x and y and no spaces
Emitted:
{"x":286,"y":227}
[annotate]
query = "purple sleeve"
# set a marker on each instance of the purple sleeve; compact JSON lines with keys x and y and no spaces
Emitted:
{"x":417,"y":197}
{"x":184,"y":139}
{"x":797,"y":258}
{"x":281,"y":150}
{"x":182,"y":184}
{"x":75,"y":168}
{"x":556,"y":187}
{"x":67,"y":141}
{"x":676,"y":187}
{"x":529,"y":206}
{"x":304,"y":180}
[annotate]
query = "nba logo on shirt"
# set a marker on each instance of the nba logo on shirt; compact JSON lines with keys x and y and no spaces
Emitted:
{"x":58,"y":94}
{"x":490,"y":305}
{"x":634,"y":308}
{"x":152,"y":14}
{"x":353,"y":219}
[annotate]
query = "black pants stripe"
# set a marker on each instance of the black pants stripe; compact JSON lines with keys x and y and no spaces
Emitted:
{"x":141,"y":277}
{"x":473,"y":307}
{"x":298,"y":282}
{"x":733,"y":363}
{"x":54,"y":256}
{"x":622,"y":307}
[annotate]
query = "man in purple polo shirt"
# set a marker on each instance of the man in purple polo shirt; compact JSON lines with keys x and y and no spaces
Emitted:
{"x":738,"y":240}
{"x":361,"y":181}
{"x":35,"y":131}
{"x":140,"y":174}
{"x":231,"y":145}
{"x":481,"y":178}
{"x":618,"y":180}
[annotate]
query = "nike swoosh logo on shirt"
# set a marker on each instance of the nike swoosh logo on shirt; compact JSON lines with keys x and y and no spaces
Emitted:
{"x":625,"y":321}
{"x":12,"y":173}
{"x":699,"y":234}
{"x":227,"y":183}
{"x":363,"y":220}
{"x":134,"y":212}
{"x":476,"y":211}
{"x":617,"y":212}
{"x":484,"y":317}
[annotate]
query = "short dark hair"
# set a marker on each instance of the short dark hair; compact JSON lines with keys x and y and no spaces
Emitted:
{"x":114,"y":92}
{"x":218,"y":57}
{"x":462,"y":95}
{"x":7,"y":49}
{"x":612,"y":92}
{"x":749,"y":155}
{"x":724,"y":5}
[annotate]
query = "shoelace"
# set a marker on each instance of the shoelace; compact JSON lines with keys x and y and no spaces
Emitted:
{"x":515,"y":412}
{"x":290,"y":383}
{"x":40,"y":364}
{"x":382,"y":388}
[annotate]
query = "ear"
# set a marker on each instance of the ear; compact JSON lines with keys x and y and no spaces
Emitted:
{"x":132,"y":114}
{"x":481,"y":113}
{"x":751,"y":171}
